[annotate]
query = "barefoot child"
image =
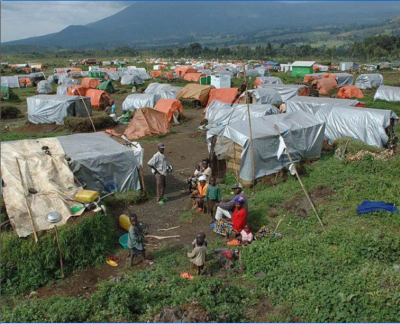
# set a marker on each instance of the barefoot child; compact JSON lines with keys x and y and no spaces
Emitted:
{"x":246,"y":236}
{"x":135,"y":239}
{"x":213,"y":197}
{"x":198,"y":255}
{"x":203,"y":236}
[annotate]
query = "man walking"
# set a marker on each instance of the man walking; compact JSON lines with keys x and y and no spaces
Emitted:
{"x":158,"y":164}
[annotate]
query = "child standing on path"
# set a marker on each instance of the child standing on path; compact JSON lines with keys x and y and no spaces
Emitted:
{"x":198,"y":255}
{"x":213,"y":197}
{"x":135,"y":239}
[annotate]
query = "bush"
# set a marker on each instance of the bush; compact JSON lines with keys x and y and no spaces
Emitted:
{"x":26,"y":265}
{"x":83,"y":124}
{"x":9,"y":112}
{"x":125,"y":199}
{"x":353,"y":146}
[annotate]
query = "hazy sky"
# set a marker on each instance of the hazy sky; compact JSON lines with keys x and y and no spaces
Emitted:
{"x":20,"y":19}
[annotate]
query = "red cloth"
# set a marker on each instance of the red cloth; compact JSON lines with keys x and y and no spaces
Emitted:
{"x":239,"y":219}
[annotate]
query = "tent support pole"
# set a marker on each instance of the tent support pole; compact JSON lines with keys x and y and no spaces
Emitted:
{"x":59,"y":250}
{"x":301,"y":183}
{"x":251,"y":132}
{"x":87,"y":110}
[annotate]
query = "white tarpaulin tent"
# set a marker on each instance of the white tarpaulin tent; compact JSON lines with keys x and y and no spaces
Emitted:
{"x":269,"y":80}
{"x":365,"y":124}
{"x":286,"y":91}
{"x":44,"y":87}
{"x":131,"y":79}
{"x":162,"y":90}
{"x":344,"y":79}
{"x":47,"y":109}
{"x":62,"y":90}
{"x":388,"y":93}
{"x":10,"y":81}
{"x":136,"y":101}
{"x":369,"y":81}
{"x":310,"y":104}
{"x":266,"y":96}
{"x":302,"y":132}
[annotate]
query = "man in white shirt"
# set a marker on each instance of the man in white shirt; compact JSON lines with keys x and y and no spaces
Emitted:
{"x":158,"y":163}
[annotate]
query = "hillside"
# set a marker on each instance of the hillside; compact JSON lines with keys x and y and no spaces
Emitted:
{"x":149,"y":24}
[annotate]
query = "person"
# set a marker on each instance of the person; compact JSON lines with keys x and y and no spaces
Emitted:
{"x":246,"y":235}
{"x":198,"y":255}
{"x":226,"y":208}
{"x":239,"y":216}
{"x":213,"y":197}
{"x":199,"y":194}
{"x":135,"y":239}
{"x":192,"y":181}
{"x":206,"y":170}
{"x":158,"y":163}
{"x":201,"y":234}
{"x":113,"y":107}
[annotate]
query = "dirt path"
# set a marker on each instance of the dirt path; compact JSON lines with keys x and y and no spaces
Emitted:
{"x":183,"y":149}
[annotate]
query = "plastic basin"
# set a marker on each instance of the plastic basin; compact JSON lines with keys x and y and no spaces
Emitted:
{"x":123,"y":240}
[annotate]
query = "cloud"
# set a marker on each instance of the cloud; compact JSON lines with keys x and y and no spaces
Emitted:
{"x":23,"y":19}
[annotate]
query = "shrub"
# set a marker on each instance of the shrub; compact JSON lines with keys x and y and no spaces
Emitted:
{"x":9,"y":112}
{"x":83,"y":124}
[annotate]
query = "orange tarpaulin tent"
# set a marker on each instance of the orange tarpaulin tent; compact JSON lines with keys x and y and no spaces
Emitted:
{"x":90,"y":83}
{"x":156,"y":74}
{"x":25,"y":82}
{"x":329,"y":75}
{"x":225,"y":95}
{"x":310,"y":77}
{"x":169,"y":75}
{"x":182,"y":70}
{"x":77,"y":90}
{"x":75,"y":69}
{"x":195,"y":91}
{"x":325,"y":85}
{"x":350,"y":92}
{"x":193,"y":77}
{"x":147,"y":122}
{"x":98,"y":98}
{"x":169,"y":107}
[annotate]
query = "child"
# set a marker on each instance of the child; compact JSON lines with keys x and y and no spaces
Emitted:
{"x":192,"y":181}
{"x":203,"y":236}
{"x":198,"y":255}
{"x":246,"y":236}
{"x":135,"y":239}
{"x":213,"y":196}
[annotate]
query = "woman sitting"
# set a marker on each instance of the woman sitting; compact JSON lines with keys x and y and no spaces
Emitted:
{"x":199,"y":195}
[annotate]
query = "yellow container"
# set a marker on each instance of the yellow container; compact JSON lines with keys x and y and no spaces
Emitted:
{"x":124,"y":222}
{"x":87,"y":196}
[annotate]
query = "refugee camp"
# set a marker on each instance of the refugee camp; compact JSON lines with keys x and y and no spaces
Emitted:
{"x":200,"y":162}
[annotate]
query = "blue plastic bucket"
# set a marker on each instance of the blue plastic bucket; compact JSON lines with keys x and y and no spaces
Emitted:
{"x":123,"y":240}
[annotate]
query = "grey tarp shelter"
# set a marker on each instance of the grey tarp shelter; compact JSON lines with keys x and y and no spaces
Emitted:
{"x":266,"y":96}
{"x":10,"y":81}
{"x":44,"y":87}
{"x":65,"y":80}
{"x":131,"y":79}
{"x":47,"y":109}
{"x":387,"y":93}
{"x":136,"y":101}
{"x":344,"y":79}
{"x":302,"y":132}
{"x":286,"y":91}
{"x":113,"y":75}
{"x":270,"y":80}
{"x":369,"y":81}
{"x":101,"y":162}
{"x":62,"y":90}
{"x":365,"y":124}
{"x":310,"y":104}
{"x":162,"y":90}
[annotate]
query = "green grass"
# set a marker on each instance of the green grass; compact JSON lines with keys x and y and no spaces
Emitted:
{"x":15,"y":136}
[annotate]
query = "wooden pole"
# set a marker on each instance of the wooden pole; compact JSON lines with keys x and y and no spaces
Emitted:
{"x":251,"y":132}
{"x":59,"y":250}
{"x":87,"y":110}
{"x":301,"y":183}
{"x":26,"y":205}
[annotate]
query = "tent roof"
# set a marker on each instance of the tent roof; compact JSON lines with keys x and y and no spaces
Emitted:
{"x":303,"y":63}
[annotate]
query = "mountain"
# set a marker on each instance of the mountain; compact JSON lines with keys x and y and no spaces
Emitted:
{"x":168,"y":23}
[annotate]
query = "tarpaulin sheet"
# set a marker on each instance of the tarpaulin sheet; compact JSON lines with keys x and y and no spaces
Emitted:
{"x":388,"y":93}
{"x":285,"y":91}
{"x":266,"y":96}
{"x":162,"y":90}
{"x":369,"y":81}
{"x":365,"y":124}
{"x":310,"y":104}
{"x":44,"y":87}
{"x":267,"y":80}
{"x":49,"y":173}
{"x":171,"y":107}
{"x":62,"y":90}
{"x":101,"y":162}
{"x":344,"y":79}
{"x":195,"y":92}
{"x":47,"y":109}
{"x":302,"y":133}
{"x":10,"y":81}
{"x":130,"y":79}
{"x":136,"y":101}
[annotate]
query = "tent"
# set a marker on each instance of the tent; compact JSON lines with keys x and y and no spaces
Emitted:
{"x":147,"y":122}
{"x":130,"y":79}
{"x":25,"y":82}
{"x":77,"y":90}
{"x":101,"y":162}
{"x":98,"y":98}
{"x":388,"y":93}
{"x":136,"y":101}
{"x":112,"y":75}
{"x":344,"y":79}
{"x":265,"y":96}
{"x":286,"y":91}
{"x":350,"y":92}
{"x":311,"y":104}
{"x":182,"y":70}
{"x":171,"y":107}
{"x":156,"y":74}
{"x":226,"y":95}
{"x":5,"y":92}
{"x":162,"y":90}
{"x":365,"y":124}
{"x":313,"y":76}
{"x":268,"y":79}
{"x":47,"y":109}
{"x":325,"y":85}
{"x":10,"y":81}
{"x":66,"y":80}
{"x":193,"y":77}
{"x":369,"y":81}
{"x":62,"y":90}
{"x":44,"y":87}
{"x":107,"y":86}
{"x":302,"y":132}
{"x":195,"y":92}
{"x":259,"y":72}
{"x":90,"y":83}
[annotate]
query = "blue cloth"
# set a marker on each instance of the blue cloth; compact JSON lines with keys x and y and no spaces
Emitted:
{"x":113,"y":108}
{"x":371,"y":206}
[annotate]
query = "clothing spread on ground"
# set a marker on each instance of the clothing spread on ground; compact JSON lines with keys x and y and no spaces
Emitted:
{"x":159,"y":162}
{"x":371,"y":206}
